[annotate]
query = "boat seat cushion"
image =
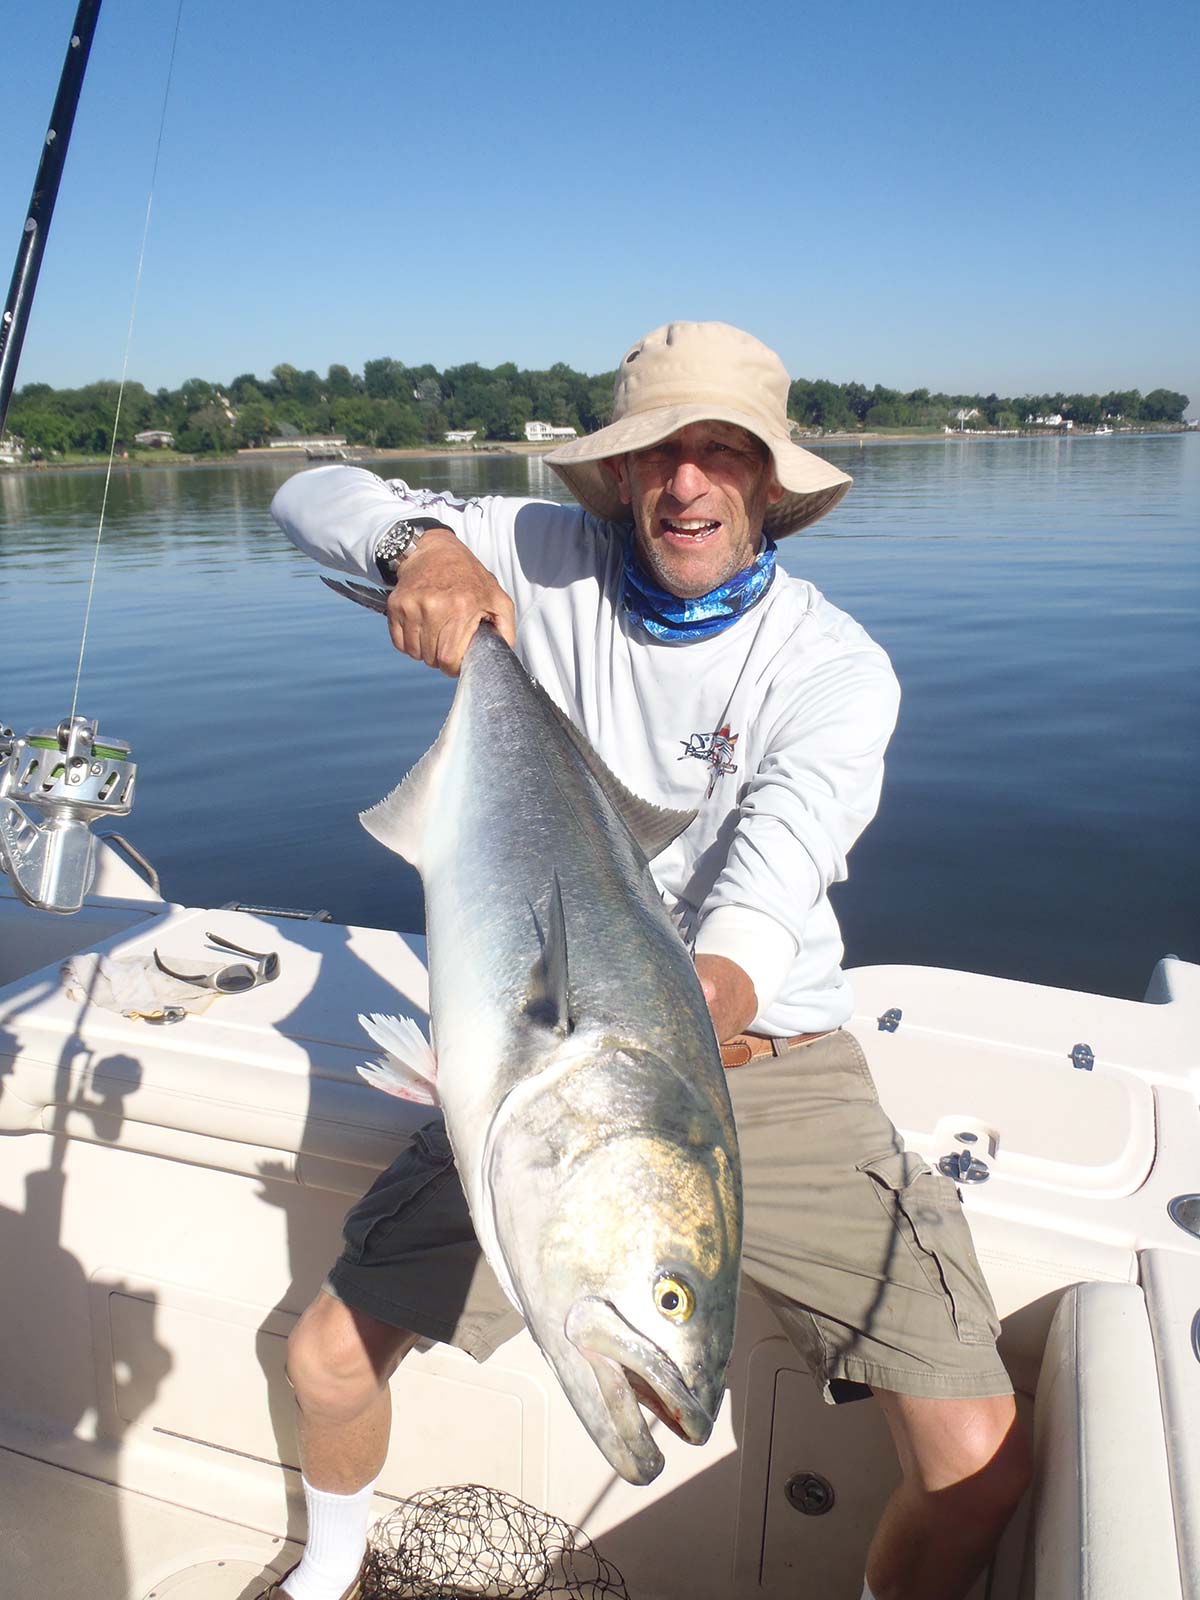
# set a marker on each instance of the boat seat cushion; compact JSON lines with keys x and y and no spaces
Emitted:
{"x":1101,"y":1525}
{"x":1172,"y":1283}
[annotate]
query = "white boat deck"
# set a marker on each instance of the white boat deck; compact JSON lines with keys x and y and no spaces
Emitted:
{"x":170,"y":1197}
{"x":65,"y":1534}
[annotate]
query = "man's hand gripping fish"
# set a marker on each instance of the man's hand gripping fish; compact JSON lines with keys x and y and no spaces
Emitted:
{"x":576,"y":1063}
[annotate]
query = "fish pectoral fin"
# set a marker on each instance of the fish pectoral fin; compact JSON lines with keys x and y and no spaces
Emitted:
{"x":409,"y":1068}
{"x":548,"y":1002}
{"x":393,"y":1078}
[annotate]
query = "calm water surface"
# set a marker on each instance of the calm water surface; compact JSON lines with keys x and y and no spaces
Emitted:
{"x":1038,"y":597}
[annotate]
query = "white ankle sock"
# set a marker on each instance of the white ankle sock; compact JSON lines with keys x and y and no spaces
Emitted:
{"x":866,"y":1594}
{"x":337,"y":1541}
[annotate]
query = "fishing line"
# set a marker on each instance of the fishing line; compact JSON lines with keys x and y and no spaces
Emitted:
{"x":137,"y":284}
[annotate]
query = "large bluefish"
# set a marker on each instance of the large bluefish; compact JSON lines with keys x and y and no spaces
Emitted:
{"x":576,"y":1064}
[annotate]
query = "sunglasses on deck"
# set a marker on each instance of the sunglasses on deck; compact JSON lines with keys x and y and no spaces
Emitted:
{"x":236,"y":978}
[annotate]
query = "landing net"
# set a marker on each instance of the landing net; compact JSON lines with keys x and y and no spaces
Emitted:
{"x":472,"y":1541}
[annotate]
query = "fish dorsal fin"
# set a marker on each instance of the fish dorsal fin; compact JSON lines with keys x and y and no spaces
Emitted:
{"x":654,"y":827}
{"x":548,"y":1004}
{"x":398,"y":820}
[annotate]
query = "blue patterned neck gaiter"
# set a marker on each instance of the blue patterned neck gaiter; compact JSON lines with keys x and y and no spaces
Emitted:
{"x":677,"y":621}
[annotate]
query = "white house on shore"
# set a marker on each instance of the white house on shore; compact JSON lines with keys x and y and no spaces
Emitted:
{"x":155,"y":439}
{"x":460,"y":435}
{"x":545,"y":432}
{"x":316,"y":449}
{"x":12,"y":450}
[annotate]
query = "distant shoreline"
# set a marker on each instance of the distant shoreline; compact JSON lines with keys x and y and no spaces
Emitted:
{"x":357,"y":454}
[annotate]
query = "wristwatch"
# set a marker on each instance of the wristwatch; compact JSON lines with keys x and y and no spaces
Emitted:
{"x":398,"y":541}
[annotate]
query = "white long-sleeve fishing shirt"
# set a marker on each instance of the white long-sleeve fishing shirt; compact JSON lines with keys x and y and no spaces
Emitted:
{"x":774,"y":729}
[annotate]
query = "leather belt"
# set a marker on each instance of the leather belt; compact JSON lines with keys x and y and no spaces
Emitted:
{"x":744,"y":1047}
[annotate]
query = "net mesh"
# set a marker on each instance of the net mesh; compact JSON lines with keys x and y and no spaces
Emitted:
{"x":472,"y":1541}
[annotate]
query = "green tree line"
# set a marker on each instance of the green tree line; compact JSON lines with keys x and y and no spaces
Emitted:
{"x":390,"y":404}
{"x":852,"y":406}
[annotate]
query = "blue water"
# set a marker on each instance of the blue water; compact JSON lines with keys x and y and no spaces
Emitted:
{"x":1038,"y":597}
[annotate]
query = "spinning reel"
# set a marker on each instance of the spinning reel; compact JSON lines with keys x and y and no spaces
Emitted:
{"x":72,"y":780}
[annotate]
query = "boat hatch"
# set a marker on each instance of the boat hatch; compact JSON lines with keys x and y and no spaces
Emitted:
{"x":1004,"y":1099}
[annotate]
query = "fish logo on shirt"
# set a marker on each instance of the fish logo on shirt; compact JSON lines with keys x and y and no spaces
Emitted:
{"x":716,"y":748}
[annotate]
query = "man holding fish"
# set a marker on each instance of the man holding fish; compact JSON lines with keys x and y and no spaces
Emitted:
{"x":745,"y":719}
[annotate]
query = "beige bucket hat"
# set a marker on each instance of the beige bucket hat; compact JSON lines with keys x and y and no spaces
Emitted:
{"x":701,"y":372}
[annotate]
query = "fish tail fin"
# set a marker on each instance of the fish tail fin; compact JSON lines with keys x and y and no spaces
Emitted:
{"x":409,"y":1067}
{"x":374,"y":598}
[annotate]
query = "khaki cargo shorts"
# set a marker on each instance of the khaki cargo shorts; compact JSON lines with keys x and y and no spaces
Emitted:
{"x":861,"y":1250}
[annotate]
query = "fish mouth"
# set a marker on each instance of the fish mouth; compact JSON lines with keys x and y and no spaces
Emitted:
{"x":631,"y":1372}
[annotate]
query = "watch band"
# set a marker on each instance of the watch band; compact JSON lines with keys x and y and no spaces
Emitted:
{"x":398,"y":541}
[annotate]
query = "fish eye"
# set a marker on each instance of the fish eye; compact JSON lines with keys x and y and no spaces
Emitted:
{"x":674,"y":1299}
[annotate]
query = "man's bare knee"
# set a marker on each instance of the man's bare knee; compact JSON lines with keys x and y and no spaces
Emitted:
{"x":976,"y":1447}
{"x":339,"y":1359}
{"x":965,"y":1466}
{"x":1003,"y":1464}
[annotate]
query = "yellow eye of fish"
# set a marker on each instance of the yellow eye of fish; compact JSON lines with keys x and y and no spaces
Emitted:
{"x":674,"y":1299}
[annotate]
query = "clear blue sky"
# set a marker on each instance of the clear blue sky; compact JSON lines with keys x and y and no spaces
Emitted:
{"x":966,"y":196}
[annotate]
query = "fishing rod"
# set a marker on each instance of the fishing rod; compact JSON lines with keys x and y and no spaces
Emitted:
{"x":65,"y":773}
{"x":41,"y":204}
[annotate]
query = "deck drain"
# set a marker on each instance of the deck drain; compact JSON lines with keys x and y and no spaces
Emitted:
{"x":810,"y":1493}
{"x":212,"y":1580}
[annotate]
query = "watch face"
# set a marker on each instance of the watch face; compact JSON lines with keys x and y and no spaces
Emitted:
{"x":394,"y":546}
{"x":398,"y":537}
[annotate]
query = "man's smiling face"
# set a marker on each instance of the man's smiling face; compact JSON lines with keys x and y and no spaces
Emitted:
{"x":698,"y":500}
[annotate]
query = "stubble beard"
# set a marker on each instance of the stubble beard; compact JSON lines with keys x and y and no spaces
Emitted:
{"x":657,"y":561}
